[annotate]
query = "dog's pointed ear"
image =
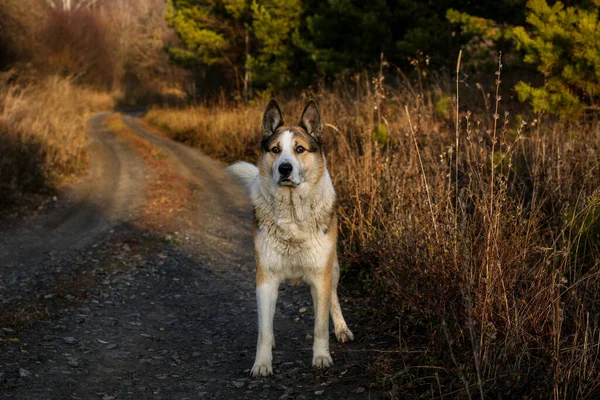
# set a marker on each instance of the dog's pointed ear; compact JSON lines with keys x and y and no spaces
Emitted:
{"x":272,"y":119}
{"x":311,"y":119}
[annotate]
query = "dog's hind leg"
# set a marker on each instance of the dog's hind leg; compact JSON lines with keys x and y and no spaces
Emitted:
{"x":342,"y":333}
{"x":320,"y":288}
{"x":266,"y":298}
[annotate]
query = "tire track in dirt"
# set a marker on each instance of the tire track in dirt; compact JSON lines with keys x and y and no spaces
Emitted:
{"x":167,"y":192}
{"x":220,"y":208}
{"x":171,"y":312}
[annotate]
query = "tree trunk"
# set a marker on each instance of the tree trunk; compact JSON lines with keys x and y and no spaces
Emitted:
{"x":246,"y":72}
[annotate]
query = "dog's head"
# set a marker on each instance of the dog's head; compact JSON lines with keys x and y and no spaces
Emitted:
{"x":292,"y":154}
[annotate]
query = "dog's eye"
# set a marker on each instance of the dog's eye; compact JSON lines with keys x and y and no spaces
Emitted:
{"x":276,"y":150}
{"x":300,"y":149}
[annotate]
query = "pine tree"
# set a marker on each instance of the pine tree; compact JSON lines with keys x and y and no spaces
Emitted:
{"x":255,"y":37}
{"x":212,"y":33}
{"x":564,"y":46}
{"x":273,"y":24}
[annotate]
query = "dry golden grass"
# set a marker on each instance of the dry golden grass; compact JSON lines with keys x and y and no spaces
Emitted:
{"x":43,"y":132}
{"x":217,"y":138}
{"x":489,"y":261}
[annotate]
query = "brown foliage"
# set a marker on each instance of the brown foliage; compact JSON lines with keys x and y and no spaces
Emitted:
{"x":116,"y":45}
{"x":19,"y":20}
{"x":145,"y":72}
{"x":77,"y":43}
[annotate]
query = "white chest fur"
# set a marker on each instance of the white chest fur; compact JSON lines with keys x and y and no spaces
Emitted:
{"x":293,"y":259}
{"x":291,"y":237}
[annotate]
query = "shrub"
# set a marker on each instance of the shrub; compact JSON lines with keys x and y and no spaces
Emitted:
{"x":19,"y":20}
{"x":77,"y":44}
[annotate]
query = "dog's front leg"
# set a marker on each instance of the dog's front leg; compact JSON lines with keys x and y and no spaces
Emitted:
{"x":320,"y":288}
{"x":266,"y":298}
{"x":342,"y":332}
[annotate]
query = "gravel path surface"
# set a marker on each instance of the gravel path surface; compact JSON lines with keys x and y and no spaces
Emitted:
{"x":97,"y":305}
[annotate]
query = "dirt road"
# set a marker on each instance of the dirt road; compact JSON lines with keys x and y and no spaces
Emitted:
{"x":135,"y":287}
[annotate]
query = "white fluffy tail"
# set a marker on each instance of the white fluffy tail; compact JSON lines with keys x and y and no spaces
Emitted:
{"x":244,"y":172}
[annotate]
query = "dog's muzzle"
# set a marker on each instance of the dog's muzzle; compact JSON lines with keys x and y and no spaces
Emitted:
{"x":285,"y":175}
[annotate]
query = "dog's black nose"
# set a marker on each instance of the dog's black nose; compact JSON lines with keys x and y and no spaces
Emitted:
{"x":285,"y":169}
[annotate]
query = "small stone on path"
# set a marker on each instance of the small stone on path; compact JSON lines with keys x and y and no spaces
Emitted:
{"x":70,"y":340}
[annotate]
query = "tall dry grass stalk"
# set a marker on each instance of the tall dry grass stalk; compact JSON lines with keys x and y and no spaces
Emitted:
{"x":489,"y":256}
{"x":43,"y":132}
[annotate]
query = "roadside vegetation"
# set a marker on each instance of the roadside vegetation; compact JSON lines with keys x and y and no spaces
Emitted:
{"x":480,"y":243}
{"x":63,"y":61}
{"x":43,"y":134}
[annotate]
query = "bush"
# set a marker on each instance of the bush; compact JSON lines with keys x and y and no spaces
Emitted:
{"x":19,"y":25}
{"x":78,"y":44}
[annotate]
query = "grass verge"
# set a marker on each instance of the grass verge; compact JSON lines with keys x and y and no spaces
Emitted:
{"x":43,"y":134}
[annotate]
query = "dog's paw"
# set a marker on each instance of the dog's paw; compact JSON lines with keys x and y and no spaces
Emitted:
{"x":344,"y":336}
{"x":322,"y":361}
{"x":261,"y":369}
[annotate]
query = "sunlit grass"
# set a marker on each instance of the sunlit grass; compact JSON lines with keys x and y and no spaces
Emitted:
{"x":43,"y":133}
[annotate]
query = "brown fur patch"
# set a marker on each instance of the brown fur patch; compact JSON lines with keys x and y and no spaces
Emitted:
{"x":329,"y":268}
{"x":332,"y":231}
{"x":327,"y":274}
{"x":301,"y":141}
{"x":324,"y":293}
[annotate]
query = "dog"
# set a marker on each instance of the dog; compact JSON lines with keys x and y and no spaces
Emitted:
{"x":295,"y":228}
